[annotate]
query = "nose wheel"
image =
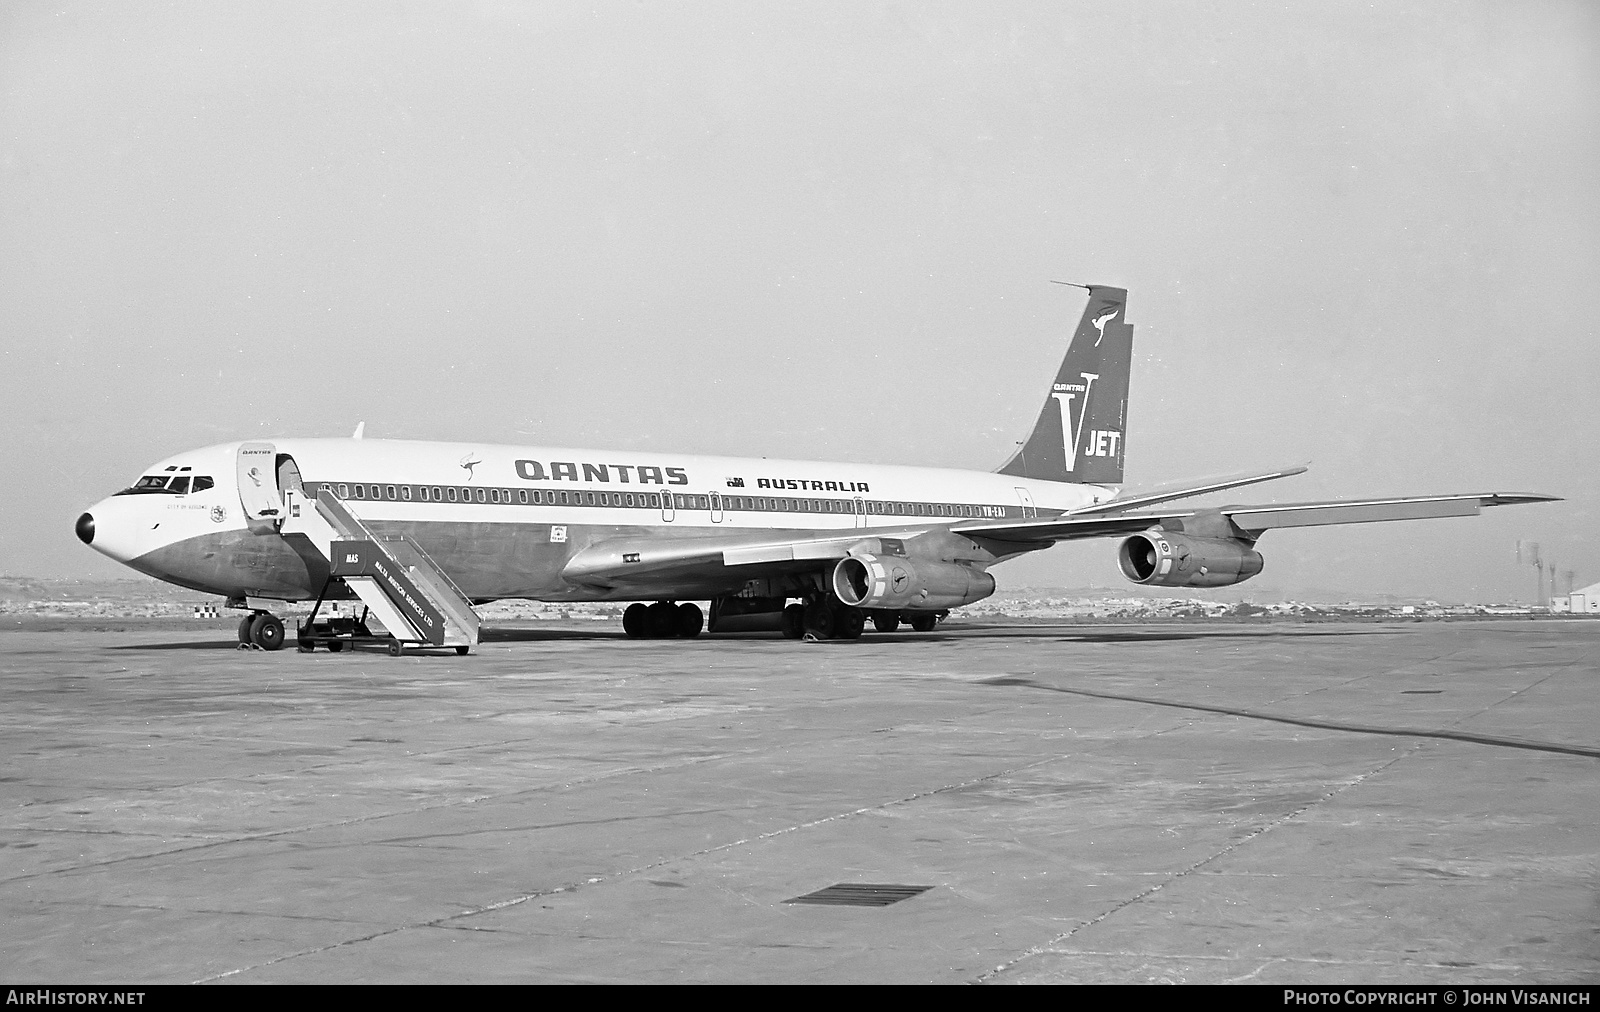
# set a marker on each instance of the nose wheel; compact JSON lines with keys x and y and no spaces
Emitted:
{"x":261,"y":629}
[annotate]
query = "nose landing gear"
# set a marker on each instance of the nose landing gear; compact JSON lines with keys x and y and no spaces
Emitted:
{"x":261,"y":630}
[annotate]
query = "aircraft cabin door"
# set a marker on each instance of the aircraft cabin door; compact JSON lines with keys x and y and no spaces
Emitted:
{"x":1028,"y":509}
{"x":289,"y":476}
{"x":861,"y":512}
{"x":716,"y":507}
{"x":667,"y":513}
{"x":258,"y":486}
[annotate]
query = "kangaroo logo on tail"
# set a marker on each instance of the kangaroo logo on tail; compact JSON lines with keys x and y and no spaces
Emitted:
{"x":1100,"y":324}
{"x":1079,"y":434}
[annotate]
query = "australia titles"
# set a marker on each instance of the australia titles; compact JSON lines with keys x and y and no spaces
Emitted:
{"x":809,"y":485}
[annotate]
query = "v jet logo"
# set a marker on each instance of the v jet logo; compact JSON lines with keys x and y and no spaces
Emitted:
{"x":1104,"y":441}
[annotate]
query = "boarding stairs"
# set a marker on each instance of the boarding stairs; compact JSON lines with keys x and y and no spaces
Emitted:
{"x":397,"y":581}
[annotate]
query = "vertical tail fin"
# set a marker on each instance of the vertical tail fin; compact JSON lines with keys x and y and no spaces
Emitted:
{"x":1079,"y":434}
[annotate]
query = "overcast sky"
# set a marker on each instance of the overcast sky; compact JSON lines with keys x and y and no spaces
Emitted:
{"x":1361,"y":235}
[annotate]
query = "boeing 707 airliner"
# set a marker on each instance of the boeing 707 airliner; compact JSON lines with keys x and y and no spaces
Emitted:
{"x":422,"y":531}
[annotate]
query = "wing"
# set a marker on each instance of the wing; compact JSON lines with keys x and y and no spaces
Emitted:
{"x":728,"y":559}
{"x":1250,"y":521}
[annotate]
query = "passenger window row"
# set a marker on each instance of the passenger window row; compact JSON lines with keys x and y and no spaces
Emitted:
{"x":653,"y":500}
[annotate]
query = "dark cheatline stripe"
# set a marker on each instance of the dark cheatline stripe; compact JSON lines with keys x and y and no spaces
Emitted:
{"x":473,"y":495}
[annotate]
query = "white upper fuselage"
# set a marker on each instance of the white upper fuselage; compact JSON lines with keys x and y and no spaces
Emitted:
{"x":489,"y":491}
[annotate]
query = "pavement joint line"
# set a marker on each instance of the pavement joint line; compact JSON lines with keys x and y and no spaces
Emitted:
{"x":1513,"y":694}
{"x":1390,"y":672}
{"x":315,"y":827}
{"x":176,"y":908}
{"x":1182,"y":873}
{"x":1222,"y":957}
{"x":444,"y":921}
{"x":1329,"y":725}
{"x":508,"y":743}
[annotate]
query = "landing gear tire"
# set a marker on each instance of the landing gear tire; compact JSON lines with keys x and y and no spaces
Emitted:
{"x":821,"y":620}
{"x":924,"y":623}
{"x":462,"y":649}
{"x":244,"y":628}
{"x":851,"y":621}
{"x":794,"y":621}
{"x":636,"y":621}
{"x":266,"y":631}
{"x":689,"y":621}
{"x":886,"y":622}
{"x":663,"y":618}
{"x":394,"y":648}
{"x":334,"y":646}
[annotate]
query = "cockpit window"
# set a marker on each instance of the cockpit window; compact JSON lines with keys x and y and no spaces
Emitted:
{"x":168,"y":484}
{"x":148,"y":484}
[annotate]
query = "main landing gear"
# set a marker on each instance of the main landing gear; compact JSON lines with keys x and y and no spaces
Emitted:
{"x":820,"y":618}
{"x":828,"y":618}
{"x":262,"y":630}
{"x":662,"y":620}
{"x":824,"y":618}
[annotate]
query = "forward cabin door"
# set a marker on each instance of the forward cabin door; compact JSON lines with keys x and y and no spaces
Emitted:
{"x":861,"y":512}
{"x":258,"y":486}
{"x":716,"y":508}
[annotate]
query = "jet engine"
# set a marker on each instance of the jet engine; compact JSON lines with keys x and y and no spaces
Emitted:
{"x":1161,"y":559}
{"x":888,"y":581}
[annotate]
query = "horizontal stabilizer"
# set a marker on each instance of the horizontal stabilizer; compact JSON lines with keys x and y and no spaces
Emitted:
{"x":1186,"y":489}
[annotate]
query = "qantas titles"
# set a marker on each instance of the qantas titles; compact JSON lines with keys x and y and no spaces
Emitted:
{"x":646,"y":474}
{"x":561,"y":470}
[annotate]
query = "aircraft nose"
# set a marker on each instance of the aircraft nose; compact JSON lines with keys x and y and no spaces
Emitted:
{"x":85,"y":528}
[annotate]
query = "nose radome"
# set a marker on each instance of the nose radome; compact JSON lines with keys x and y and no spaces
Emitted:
{"x":85,"y":528}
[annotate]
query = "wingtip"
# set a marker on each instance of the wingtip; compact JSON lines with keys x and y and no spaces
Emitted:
{"x":1517,"y":498}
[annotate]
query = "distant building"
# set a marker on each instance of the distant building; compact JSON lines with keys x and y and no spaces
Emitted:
{"x":1584,"y":601}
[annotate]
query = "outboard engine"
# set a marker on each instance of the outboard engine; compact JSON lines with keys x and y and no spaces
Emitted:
{"x":1161,"y":559}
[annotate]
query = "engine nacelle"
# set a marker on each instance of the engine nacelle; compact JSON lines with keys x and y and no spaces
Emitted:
{"x":1160,"y":559}
{"x":889,"y":581}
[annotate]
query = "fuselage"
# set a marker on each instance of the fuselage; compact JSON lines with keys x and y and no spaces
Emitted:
{"x":503,"y":521}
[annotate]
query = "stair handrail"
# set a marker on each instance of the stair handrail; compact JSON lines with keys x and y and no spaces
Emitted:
{"x":342,"y":511}
{"x":428,"y":572}
{"x":429,"y":560}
